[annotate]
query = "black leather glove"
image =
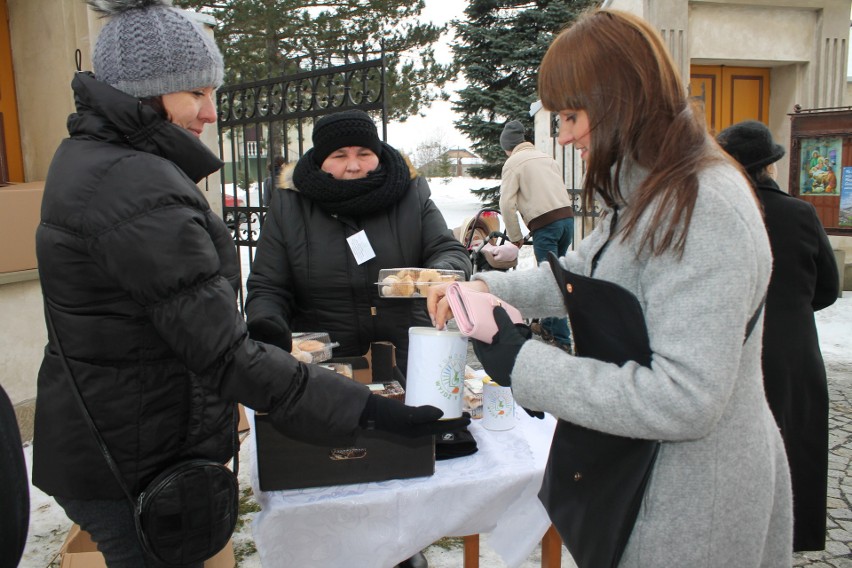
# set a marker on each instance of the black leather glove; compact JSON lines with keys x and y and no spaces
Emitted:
{"x":534,"y":413}
{"x":271,"y":329}
{"x":498,"y":357}
{"x":391,"y":415}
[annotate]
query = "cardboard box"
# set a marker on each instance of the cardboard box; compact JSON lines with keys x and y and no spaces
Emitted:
{"x":285,"y":463}
{"x":377,"y":365}
{"x":20,"y":205}
{"x":78,"y":551}
{"x":243,"y":424}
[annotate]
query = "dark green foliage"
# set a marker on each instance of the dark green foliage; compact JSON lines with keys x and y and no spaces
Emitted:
{"x":269,"y":38}
{"x":499,"y":47}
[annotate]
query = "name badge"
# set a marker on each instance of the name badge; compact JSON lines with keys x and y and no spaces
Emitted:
{"x":360,"y":246}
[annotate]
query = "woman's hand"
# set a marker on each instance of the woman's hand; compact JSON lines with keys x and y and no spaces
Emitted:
{"x":436,"y":303}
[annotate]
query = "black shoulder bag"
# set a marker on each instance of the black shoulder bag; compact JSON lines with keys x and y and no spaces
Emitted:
{"x":188,"y":512}
{"x":594,"y":482}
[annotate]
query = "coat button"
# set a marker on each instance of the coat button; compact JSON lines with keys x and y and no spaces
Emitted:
{"x":578,"y":476}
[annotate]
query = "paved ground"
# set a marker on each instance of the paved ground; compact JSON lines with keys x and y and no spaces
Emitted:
{"x":838,"y":548}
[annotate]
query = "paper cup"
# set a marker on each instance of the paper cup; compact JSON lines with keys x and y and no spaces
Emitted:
{"x":498,"y":407}
{"x":436,"y":362}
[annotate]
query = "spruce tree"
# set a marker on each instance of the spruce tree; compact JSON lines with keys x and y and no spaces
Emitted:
{"x":500,"y":45}
{"x":269,"y":38}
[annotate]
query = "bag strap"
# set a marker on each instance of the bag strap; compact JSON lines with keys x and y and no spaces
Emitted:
{"x":753,"y":319}
{"x":75,"y":390}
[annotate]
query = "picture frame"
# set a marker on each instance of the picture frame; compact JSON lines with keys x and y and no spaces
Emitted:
{"x":821,"y":164}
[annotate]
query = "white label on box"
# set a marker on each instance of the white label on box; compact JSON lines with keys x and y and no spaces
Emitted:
{"x":361,"y":247}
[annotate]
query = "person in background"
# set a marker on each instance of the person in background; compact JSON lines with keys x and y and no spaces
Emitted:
{"x":531,"y":184}
{"x":140,"y":278}
{"x":804,"y":280}
{"x":307,"y":276}
{"x":682,"y":231}
{"x":274,"y":169}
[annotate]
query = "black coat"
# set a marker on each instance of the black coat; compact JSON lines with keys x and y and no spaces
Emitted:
{"x":14,"y":489}
{"x":305,"y":270}
{"x":141,"y":275}
{"x":804,"y":279}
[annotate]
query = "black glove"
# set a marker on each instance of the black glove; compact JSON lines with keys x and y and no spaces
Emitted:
{"x":273,"y":330}
{"x":390,"y":415}
{"x":534,"y":413}
{"x":498,"y":357}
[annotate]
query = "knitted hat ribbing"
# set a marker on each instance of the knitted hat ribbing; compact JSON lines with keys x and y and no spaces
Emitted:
{"x":513,"y":134}
{"x":148,"y":48}
{"x":342,"y":129}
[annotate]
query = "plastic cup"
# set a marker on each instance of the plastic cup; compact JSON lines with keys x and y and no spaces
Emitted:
{"x":498,"y":407}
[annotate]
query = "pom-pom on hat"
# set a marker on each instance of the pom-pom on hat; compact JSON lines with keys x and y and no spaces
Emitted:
{"x":513,"y":134}
{"x":342,"y":129}
{"x":750,"y":143}
{"x":148,"y":48}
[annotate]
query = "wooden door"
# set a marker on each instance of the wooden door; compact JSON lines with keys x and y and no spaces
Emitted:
{"x":730,"y":94}
{"x":11,"y":160}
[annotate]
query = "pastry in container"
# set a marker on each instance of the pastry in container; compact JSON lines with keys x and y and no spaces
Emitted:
{"x":413,"y":282}
{"x":312,"y":347}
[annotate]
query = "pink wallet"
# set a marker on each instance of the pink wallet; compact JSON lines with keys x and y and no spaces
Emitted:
{"x":474,"y":311}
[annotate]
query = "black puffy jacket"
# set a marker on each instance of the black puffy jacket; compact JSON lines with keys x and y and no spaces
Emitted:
{"x":140,"y":275}
{"x":304,"y":268}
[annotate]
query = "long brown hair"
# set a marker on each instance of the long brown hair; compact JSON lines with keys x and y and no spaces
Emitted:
{"x":615,"y":67}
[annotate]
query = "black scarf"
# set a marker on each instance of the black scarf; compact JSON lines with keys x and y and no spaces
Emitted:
{"x":353,"y":197}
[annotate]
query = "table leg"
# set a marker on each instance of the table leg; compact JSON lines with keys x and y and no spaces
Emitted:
{"x":551,"y":549}
{"x":471,"y":551}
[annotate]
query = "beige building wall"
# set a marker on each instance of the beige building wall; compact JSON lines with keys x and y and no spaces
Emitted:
{"x":45,"y":35}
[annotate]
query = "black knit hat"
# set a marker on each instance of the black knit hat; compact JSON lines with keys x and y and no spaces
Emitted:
{"x":750,"y":143}
{"x":342,"y":129}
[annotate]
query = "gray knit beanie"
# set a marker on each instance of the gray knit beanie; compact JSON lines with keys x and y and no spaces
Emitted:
{"x":513,"y":134}
{"x":148,"y":48}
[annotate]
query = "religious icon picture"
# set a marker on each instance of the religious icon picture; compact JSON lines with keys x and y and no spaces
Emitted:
{"x":820,"y":165}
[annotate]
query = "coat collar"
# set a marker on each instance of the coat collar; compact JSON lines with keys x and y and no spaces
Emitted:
{"x":107,"y":114}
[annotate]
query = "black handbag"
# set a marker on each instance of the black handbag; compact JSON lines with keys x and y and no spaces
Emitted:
{"x":594,"y":482}
{"x":188,"y":512}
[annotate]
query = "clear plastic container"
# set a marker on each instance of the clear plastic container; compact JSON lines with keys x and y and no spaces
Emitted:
{"x":312,"y":347}
{"x":413,"y":282}
{"x":339,"y":368}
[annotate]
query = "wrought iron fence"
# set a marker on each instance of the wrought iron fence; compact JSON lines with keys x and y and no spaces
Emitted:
{"x":573,"y":170}
{"x":269,"y":120}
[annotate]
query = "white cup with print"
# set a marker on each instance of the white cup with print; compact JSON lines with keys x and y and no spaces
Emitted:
{"x":436,"y":363}
{"x":498,"y":406}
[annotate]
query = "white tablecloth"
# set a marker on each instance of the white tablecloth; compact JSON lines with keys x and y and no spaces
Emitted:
{"x":377,"y":525}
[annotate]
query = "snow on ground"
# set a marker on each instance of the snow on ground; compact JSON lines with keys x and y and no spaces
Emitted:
{"x":454,"y":199}
{"x":49,"y":525}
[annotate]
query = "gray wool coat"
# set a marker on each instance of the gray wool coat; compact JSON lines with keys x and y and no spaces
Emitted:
{"x":720,"y":491}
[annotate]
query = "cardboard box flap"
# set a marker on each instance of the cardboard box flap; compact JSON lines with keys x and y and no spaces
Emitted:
{"x":79,"y":551}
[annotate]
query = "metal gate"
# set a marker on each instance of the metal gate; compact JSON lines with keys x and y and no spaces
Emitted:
{"x":573,"y":171}
{"x":268,"y":119}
